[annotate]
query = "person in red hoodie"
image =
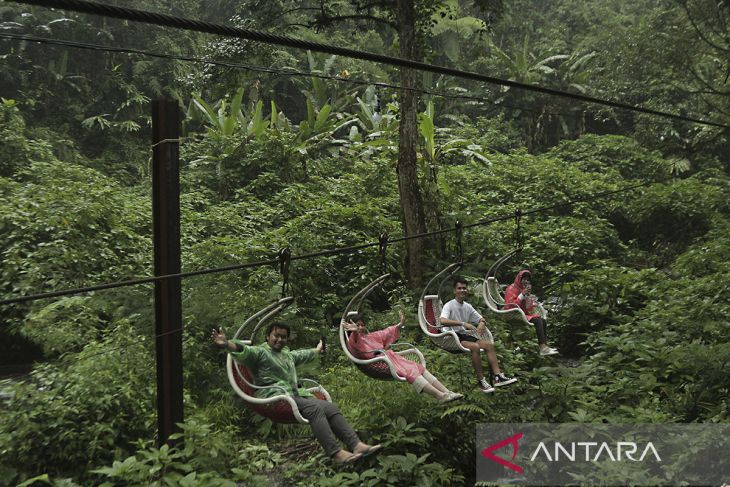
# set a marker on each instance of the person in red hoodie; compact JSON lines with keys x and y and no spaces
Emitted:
{"x":519,"y":295}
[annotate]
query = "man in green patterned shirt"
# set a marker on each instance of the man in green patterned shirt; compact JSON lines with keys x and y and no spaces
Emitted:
{"x":272,"y":363}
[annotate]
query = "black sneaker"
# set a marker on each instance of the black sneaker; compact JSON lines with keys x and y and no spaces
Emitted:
{"x":484,"y":386}
{"x":503,"y":380}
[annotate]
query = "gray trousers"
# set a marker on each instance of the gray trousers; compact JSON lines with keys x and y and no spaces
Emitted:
{"x":327,"y":424}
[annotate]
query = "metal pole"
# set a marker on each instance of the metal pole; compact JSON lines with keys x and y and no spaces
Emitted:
{"x":166,"y":237}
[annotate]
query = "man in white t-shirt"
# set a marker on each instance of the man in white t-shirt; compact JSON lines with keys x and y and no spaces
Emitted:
{"x":460,"y":316}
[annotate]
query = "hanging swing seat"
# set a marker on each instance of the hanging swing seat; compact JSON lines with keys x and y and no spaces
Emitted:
{"x":279,"y":408}
{"x":494,"y":296}
{"x":429,"y":314}
{"x":380,"y":366}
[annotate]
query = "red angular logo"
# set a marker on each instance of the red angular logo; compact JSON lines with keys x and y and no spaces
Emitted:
{"x":512,"y":440}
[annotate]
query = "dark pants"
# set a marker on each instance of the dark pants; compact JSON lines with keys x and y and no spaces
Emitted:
{"x":540,"y":329}
{"x":327,"y":424}
{"x":467,"y":338}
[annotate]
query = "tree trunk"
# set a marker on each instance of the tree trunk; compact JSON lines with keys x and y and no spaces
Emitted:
{"x":412,"y":214}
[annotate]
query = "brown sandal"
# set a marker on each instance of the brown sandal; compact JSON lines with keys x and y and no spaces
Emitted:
{"x":371,"y":449}
{"x":349,"y":460}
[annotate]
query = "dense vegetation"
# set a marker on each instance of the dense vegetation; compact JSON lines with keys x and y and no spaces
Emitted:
{"x":638,"y":280}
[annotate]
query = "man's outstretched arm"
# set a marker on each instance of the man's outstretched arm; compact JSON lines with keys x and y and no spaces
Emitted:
{"x":221,"y":341}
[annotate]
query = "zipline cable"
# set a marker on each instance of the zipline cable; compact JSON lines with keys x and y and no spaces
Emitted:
{"x":323,"y":253}
{"x":287,"y":72}
{"x":566,"y":203}
{"x":148,"y":280}
{"x":268,"y":38}
{"x":134,"y":282}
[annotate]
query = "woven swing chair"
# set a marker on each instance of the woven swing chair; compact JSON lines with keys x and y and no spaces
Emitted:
{"x":280,"y":408}
{"x":429,"y":314}
{"x":379,"y":367}
{"x":494,"y":296}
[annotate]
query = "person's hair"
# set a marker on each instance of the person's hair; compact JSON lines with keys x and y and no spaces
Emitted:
{"x":460,"y":280}
{"x":357,"y":317}
{"x":278,"y":324}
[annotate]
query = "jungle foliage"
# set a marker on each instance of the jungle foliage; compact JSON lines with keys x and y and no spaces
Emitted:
{"x":636,"y":281}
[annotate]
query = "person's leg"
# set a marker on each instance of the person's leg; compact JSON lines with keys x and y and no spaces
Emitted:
{"x":434,"y":381}
{"x":476,"y":359}
{"x":431,"y":390}
{"x":340,"y":426}
{"x":473,"y":344}
{"x":499,"y":378}
{"x":312,"y":410}
{"x":491,"y":356}
{"x":540,"y":330}
{"x":427,"y":383}
{"x":421,"y":384}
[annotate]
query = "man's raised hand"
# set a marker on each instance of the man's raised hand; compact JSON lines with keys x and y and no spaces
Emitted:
{"x":219,"y":337}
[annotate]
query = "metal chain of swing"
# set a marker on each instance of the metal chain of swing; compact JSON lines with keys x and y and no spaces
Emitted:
{"x":383,"y":249}
{"x":518,"y":233}
{"x":284,"y":262}
{"x":459,"y":245}
{"x":378,"y":106}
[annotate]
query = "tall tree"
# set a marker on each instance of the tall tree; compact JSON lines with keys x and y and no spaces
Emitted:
{"x":401,"y":16}
{"x":412,"y":217}
{"x":412,"y":19}
{"x":711,"y":70}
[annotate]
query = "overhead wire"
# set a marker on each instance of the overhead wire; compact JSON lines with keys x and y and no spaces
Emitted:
{"x":565,"y":203}
{"x":170,"y":21}
{"x":138,"y":281}
{"x":189,"y":24}
{"x":287,"y":72}
{"x":321,"y":253}
{"x":165,"y":20}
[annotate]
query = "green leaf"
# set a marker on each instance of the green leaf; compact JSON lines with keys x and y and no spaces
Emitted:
{"x":322,"y":118}
{"x":206,"y":110}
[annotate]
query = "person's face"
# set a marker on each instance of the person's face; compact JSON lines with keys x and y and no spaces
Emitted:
{"x":525,"y":280}
{"x":461,"y":291}
{"x":361,"y":328}
{"x":277,"y":339}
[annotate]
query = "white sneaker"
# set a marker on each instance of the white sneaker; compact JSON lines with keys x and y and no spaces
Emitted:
{"x":455,"y":395}
{"x":548,"y":351}
{"x":450,"y":396}
{"x":485,"y":386}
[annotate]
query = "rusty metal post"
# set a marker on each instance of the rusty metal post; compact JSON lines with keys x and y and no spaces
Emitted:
{"x":166,"y":238}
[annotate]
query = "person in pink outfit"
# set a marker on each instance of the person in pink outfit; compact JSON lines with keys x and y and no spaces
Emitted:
{"x":365,"y":345}
{"x":519,"y":295}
